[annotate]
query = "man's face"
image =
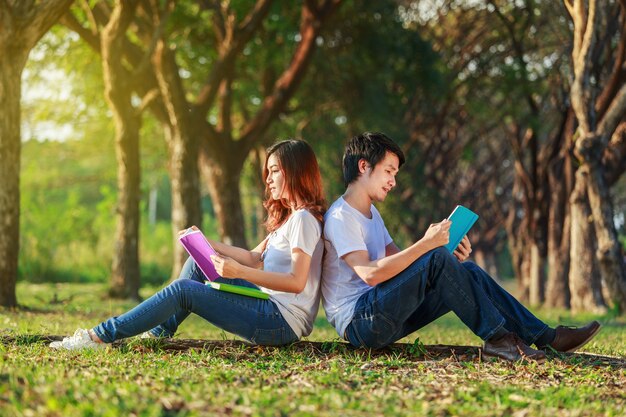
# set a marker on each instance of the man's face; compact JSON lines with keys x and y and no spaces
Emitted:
{"x":381,"y":178}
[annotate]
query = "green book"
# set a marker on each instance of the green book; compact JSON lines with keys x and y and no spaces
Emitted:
{"x":238,"y":289}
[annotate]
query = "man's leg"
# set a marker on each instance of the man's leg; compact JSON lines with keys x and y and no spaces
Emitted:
{"x":518,"y":319}
{"x":386,"y":312}
{"x":431,"y":286}
{"x":522,"y":322}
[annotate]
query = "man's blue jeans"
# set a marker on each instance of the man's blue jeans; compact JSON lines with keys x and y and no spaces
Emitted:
{"x":433,"y":285}
{"x":256,"y":320}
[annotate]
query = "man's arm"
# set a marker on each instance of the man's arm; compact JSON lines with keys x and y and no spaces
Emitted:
{"x":373,"y":272}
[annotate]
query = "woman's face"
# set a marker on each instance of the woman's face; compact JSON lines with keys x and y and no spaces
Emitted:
{"x":275,"y":179}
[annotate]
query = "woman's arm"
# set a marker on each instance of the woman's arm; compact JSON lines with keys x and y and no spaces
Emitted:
{"x":251,"y":258}
{"x":293,"y":281}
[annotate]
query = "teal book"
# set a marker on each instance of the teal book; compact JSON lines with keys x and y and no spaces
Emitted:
{"x":462,"y":220}
{"x":238,"y":289}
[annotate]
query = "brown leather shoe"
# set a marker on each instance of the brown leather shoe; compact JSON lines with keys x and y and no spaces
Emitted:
{"x":511,"y":348}
{"x":570,"y":339}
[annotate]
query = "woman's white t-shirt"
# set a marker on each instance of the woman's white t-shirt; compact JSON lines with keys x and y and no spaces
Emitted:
{"x":303,"y":231}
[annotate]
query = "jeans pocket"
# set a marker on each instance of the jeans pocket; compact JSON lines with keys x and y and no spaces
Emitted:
{"x":270,"y":337}
{"x":373,"y":332}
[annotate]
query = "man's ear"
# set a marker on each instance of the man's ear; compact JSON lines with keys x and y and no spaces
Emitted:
{"x":363,"y":164}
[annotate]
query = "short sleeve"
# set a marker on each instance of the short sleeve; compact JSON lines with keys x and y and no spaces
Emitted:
{"x":344,"y":232}
{"x":388,"y":238}
{"x":304,"y":232}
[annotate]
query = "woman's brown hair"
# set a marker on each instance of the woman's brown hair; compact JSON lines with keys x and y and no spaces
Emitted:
{"x":303,"y":182}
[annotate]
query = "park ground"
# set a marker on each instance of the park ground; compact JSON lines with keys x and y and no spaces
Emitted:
{"x":205,"y":371}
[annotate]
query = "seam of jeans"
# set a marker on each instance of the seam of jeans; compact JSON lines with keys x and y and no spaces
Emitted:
{"x":496,"y":330}
{"x":357,"y":335}
{"x":534,"y":336}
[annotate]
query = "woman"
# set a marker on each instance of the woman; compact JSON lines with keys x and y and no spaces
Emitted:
{"x":290,"y":257}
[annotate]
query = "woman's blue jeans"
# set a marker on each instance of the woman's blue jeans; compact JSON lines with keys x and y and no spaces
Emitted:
{"x":256,"y":320}
{"x":430,"y":287}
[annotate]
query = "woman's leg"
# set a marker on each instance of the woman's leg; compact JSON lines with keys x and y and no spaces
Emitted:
{"x":168,"y":328}
{"x":256,"y":320}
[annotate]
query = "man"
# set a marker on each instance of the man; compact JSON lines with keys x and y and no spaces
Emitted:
{"x":375,"y":294}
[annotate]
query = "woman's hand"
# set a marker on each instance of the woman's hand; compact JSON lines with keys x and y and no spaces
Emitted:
{"x":226,"y":267}
{"x":438,"y":234}
{"x":462,"y":252}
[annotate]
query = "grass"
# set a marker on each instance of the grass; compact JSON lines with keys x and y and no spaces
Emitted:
{"x":318,"y":379}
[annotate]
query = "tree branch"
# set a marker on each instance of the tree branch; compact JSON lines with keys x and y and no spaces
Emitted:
{"x":70,"y":21}
{"x":284,"y":88}
{"x":614,"y":114}
{"x":249,"y":26}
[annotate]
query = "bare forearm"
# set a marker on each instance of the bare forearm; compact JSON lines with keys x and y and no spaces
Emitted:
{"x":388,"y":267}
{"x":278,"y":281}
{"x":243,"y":256}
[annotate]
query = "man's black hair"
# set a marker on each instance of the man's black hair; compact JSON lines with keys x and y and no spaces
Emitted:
{"x":371,"y":146}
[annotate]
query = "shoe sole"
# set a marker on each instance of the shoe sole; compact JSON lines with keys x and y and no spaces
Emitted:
{"x":587,"y":340}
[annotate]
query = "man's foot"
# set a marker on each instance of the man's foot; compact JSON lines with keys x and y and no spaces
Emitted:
{"x":511,"y":348}
{"x":570,"y":339}
{"x":80,"y":340}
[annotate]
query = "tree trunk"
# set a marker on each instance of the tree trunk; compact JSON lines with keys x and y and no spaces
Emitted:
{"x":583,"y":267}
{"x":185,"y":184}
{"x":559,"y":228}
{"x":259,"y":189}
{"x":222,"y":175}
{"x":125,"y":274}
{"x":487,"y":261}
{"x":609,"y":249}
{"x":22,"y":24}
{"x":536,"y":276}
{"x":10,"y":95}
{"x":183,"y":144}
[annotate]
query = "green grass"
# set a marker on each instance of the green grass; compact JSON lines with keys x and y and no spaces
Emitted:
{"x":139,"y":378}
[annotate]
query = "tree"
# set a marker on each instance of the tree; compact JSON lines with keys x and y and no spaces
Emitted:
{"x":225,"y":143}
{"x":598,"y":97}
{"x":22,"y":24}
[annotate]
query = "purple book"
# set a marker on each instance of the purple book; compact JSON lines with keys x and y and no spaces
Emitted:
{"x":200,"y":250}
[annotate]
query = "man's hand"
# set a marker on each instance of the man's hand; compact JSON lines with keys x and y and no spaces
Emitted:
{"x":462,"y":252}
{"x":438,"y":234}
{"x":226,"y":267}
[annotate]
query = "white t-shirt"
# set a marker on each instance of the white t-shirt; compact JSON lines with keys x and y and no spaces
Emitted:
{"x":303,"y":231}
{"x":347,"y":230}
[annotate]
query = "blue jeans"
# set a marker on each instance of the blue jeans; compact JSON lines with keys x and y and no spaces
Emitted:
{"x":256,"y":320}
{"x":430,"y":287}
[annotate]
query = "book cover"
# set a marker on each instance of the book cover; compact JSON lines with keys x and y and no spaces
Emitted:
{"x":200,"y":250}
{"x":462,"y":220}
{"x":238,"y":289}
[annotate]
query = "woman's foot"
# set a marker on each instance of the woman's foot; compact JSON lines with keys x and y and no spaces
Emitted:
{"x":82,"y":339}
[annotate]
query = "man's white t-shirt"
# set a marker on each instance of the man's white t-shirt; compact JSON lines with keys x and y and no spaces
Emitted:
{"x":347,"y":230}
{"x":303,"y":231}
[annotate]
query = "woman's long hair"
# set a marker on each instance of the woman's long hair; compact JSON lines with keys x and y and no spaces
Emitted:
{"x":303,"y":182}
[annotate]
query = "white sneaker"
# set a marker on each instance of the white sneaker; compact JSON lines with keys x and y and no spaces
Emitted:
{"x":80,"y":340}
{"x":147,"y":335}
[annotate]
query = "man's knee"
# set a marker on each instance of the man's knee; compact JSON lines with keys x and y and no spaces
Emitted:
{"x":470,"y":266}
